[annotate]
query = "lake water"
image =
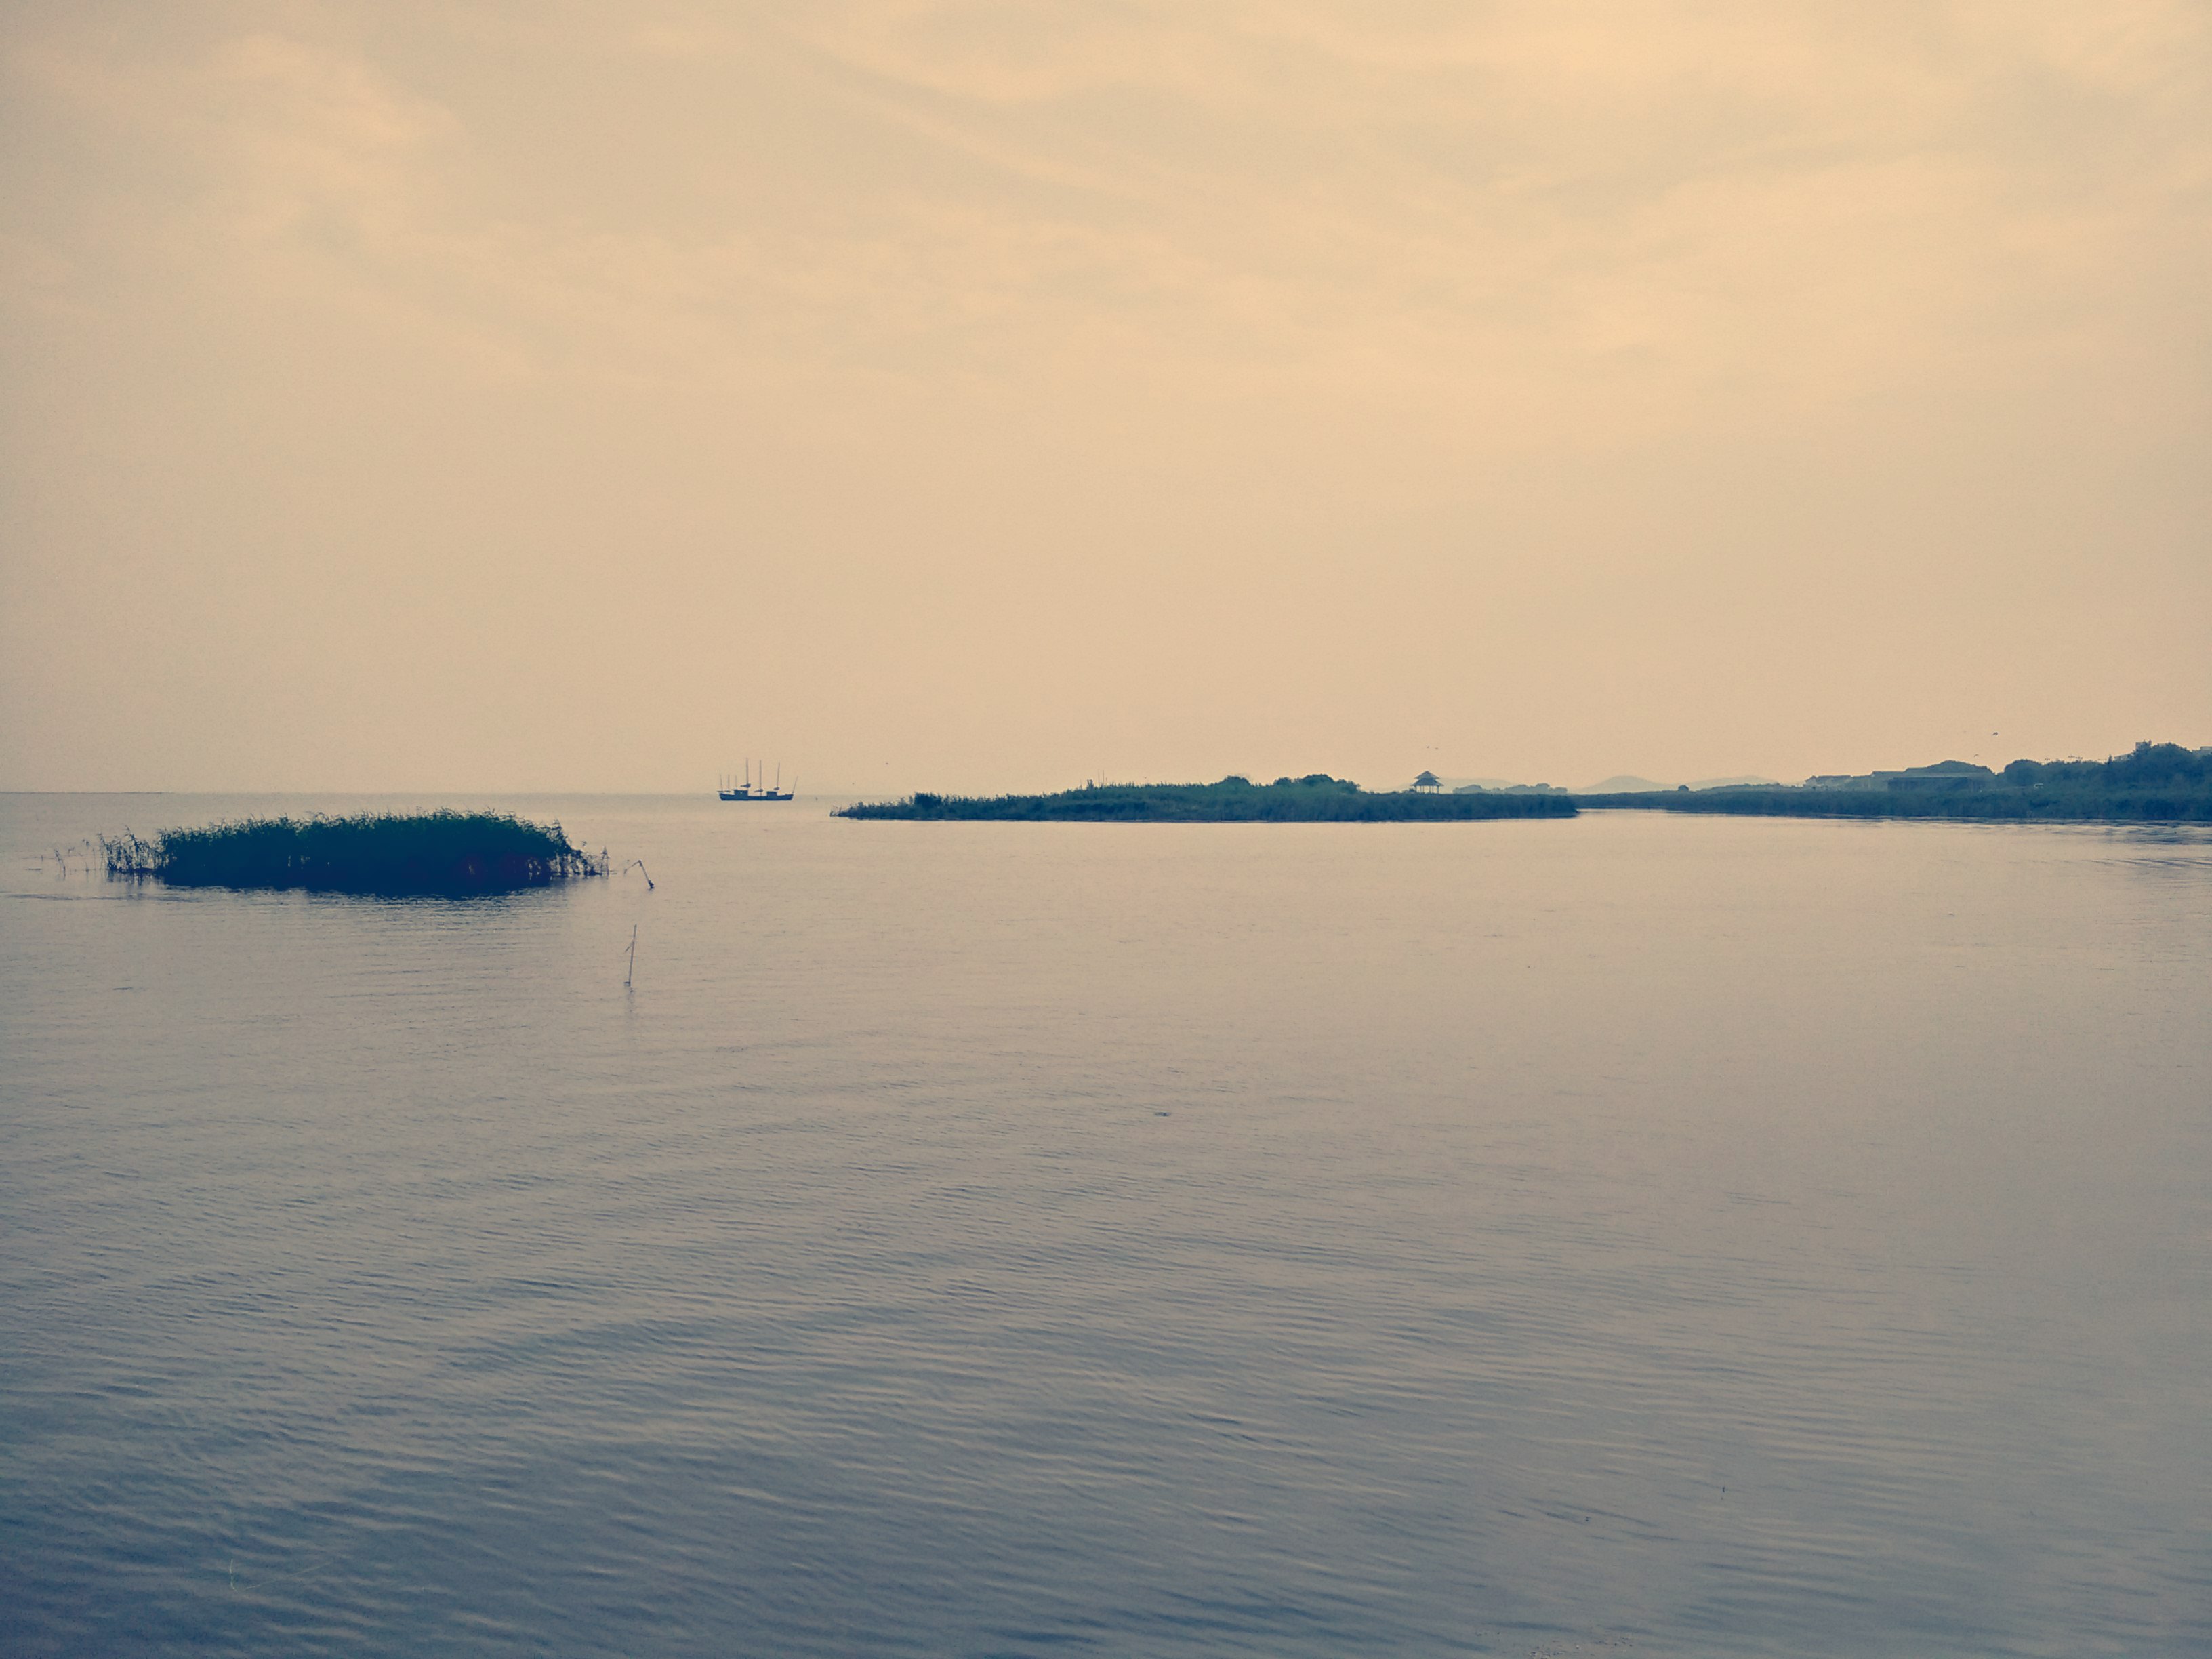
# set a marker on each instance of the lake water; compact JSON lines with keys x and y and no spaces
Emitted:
{"x":1637,"y":1235}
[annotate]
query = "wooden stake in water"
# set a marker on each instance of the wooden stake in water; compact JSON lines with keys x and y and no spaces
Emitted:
{"x":632,"y":975}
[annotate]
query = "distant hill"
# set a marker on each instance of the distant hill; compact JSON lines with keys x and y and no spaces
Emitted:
{"x":1627,"y":783}
{"x":1623,"y":784}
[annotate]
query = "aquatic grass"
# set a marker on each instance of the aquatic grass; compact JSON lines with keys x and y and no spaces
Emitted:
{"x":391,"y":852}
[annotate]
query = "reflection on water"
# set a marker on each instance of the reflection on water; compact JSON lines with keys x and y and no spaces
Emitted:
{"x":1642,"y":1234}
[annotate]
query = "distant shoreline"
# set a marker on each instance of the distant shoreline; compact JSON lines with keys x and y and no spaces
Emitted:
{"x":1975,"y":806}
{"x":2153,"y":783}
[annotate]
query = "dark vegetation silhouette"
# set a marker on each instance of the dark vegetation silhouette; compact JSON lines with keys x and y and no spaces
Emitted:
{"x":2155,"y":783}
{"x":443,"y":852}
{"x":1315,"y":799}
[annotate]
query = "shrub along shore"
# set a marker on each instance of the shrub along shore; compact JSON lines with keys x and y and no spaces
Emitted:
{"x":443,"y":852}
{"x":2155,"y":783}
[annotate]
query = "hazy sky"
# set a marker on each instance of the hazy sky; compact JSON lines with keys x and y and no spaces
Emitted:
{"x":993,"y":395}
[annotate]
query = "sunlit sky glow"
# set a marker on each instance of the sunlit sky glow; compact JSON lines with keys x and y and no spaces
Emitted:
{"x":992,"y":395}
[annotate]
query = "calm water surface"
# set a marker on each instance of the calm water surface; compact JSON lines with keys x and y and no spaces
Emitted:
{"x":1636,"y":1235}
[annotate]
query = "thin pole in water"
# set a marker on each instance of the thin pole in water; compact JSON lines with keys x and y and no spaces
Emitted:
{"x":631,"y":975}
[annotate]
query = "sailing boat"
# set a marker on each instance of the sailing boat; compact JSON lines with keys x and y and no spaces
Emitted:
{"x":746,"y":789}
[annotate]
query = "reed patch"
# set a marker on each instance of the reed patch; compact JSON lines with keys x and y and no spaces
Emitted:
{"x":442,"y":852}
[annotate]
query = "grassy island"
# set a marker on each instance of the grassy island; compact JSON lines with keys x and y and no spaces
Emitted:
{"x":1316,"y":799}
{"x":388,"y":853}
{"x":2156,"y":783}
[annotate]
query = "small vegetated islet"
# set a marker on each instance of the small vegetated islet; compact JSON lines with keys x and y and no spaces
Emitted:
{"x":1315,"y":797}
{"x":444,"y":851}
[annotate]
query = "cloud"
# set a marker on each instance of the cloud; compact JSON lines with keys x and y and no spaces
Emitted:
{"x":1006,"y":315}
{"x":1611,"y":213}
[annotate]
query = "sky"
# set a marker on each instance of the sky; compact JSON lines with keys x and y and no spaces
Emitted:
{"x":993,"y":395}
